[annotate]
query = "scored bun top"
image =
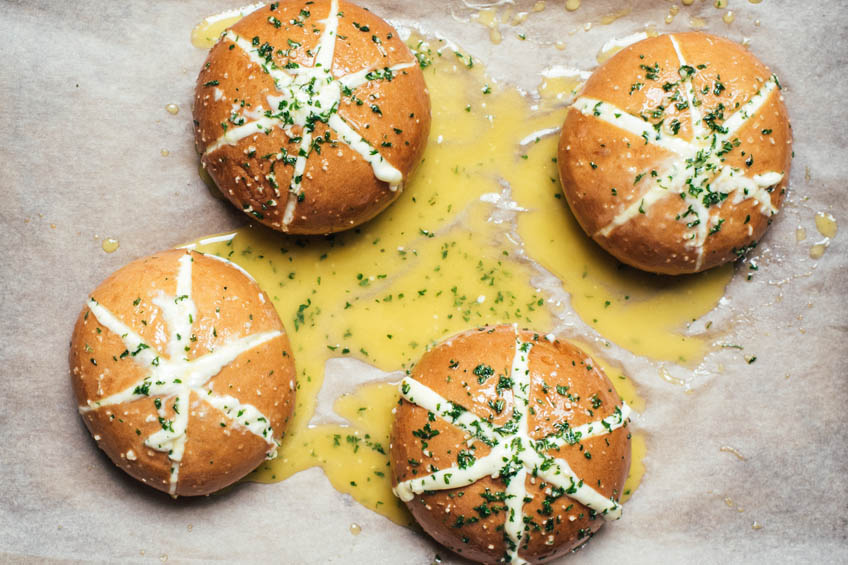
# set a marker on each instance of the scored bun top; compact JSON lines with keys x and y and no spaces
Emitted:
{"x":182,"y":371}
{"x":676,"y":154}
{"x":509,"y":446}
{"x":311,"y":115}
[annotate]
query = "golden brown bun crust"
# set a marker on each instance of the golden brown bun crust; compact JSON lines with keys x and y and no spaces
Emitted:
{"x":448,"y":369}
{"x":596,"y":156}
{"x":229,"y":306}
{"x":339,"y":188}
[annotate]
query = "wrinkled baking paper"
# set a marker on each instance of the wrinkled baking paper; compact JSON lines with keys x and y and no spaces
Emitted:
{"x":85,"y":85}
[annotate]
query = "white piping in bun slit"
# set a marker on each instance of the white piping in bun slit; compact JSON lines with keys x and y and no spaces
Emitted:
{"x":511,"y":443}
{"x":696,"y":163}
{"x":173,"y":377}
{"x":309,"y":95}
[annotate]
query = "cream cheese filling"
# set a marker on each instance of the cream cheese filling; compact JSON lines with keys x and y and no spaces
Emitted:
{"x":513,"y":453}
{"x":696,"y":172}
{"x":171,"y":377}
{"x":308,"y":95}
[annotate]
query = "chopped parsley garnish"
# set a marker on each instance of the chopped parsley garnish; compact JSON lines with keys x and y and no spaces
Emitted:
{"x":483,"y":372}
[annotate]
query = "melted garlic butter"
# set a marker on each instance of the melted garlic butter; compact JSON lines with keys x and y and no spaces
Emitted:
{"x":206,"y":33}
{"x":826,"y":226}
{"x":110,"y":245}
{"x":436,"y":257}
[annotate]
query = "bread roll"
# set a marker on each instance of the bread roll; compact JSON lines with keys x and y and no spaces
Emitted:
{"x":676,"y":155}
{"x":183,"y":372}
{"x":508,"y":446}
{"x":310,"y":116}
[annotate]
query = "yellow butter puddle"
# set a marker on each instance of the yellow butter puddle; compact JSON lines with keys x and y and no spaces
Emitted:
{"x":435,"y":263}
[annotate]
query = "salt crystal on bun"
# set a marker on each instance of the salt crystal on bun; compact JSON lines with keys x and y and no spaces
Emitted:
{"x":509,"y":446}
{"x":310,"y":116}
{"x":183,"y":372}
{"x":675,"y":157}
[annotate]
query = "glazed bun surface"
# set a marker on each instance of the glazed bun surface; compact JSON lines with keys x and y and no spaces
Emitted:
{"x":183,"y":372}
{"x":508,"y":446}
{"x":676,"y":154}
{"x":310,"y":116}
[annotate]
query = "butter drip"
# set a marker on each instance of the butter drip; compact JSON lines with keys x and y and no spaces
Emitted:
{"x":206,"y":33}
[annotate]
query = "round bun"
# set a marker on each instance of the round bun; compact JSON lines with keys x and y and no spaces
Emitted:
{"x":508,"y":446}
{"x":183,"y":372}
{"x":311,"y":115}
{"x":676,"y":155}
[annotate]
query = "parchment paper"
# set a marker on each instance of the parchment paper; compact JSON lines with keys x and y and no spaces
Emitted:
{"x":84,"y":85}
